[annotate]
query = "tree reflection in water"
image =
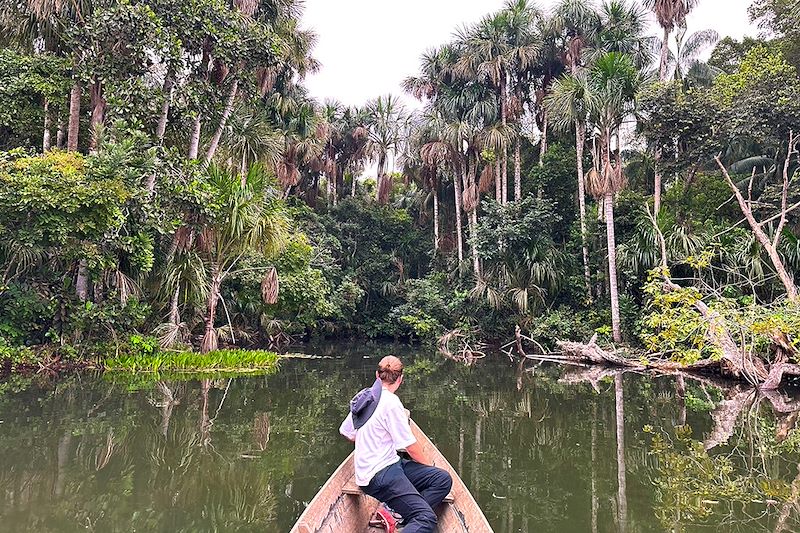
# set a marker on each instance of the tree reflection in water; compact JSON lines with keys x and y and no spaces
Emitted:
{"x":534,"y":445}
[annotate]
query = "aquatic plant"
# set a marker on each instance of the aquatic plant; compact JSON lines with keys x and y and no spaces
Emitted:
{"x":218,"y":360}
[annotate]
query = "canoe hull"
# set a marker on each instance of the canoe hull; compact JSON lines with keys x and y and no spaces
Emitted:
{"x":333,"y":511}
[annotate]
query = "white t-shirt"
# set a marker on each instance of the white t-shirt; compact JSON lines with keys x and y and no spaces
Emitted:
{"x":377,"y":441}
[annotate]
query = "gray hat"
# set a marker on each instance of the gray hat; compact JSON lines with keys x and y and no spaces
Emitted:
{"x":364,"y":403}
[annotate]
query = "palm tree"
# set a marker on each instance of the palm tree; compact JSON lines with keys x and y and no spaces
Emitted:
{"x":330,"y":130}
{"x":549,"y":65}
{"x":623,"y":29}
{"x":578,"y":21}
{"x":486,"y":55}
{"x":569,"y":104}
{"x":686,"y":61}
{"x":427,"y":156}
{"x":613,"y":81}
{"x":443,"y":149}
{"x":297,"y":119}
{"x":435,"y":73}
{"x":524,"y":46}
{"x":437,"y":86}
{"x":293,"y":59}
{"x":247,"y":9}
{"x":251,"y":138}
{"x":354,"y":144}
{"x":669,"y":14}
{"x":250,"y":221}
{"x":386,"y":127}
{"x":472,"y":127}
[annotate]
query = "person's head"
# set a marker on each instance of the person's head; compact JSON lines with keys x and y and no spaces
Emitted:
{"x":390,"y":372}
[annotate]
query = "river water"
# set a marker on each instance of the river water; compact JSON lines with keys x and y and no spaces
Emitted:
{"x":542,"y":448}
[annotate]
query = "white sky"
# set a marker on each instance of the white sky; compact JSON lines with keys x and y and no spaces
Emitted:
{"x":367,"y":47}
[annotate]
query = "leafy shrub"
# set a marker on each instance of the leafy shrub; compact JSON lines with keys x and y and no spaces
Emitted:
{"x":26,"y":313}
{"x":562,"y":324}
{"x":16,"y":356}
{"x":143,"y":346}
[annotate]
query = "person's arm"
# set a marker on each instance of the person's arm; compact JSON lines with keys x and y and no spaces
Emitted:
{"x":403,"y":437}
{"x":416,"y":453}
{"x":347,"y":430}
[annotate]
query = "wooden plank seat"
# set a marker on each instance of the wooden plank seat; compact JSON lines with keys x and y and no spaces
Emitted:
{"x":351,"y":488}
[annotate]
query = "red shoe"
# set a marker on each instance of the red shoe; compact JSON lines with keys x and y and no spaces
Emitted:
{"x":384,"y":520}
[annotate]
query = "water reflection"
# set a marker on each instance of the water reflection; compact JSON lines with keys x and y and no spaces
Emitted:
{"x":619,"y":418}
{"x":541,"y":449}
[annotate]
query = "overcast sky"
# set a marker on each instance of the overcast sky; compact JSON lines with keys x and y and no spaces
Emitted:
{"x":367,"y":47}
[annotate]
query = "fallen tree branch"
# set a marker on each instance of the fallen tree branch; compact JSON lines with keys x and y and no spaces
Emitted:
{"x":592,"y":353}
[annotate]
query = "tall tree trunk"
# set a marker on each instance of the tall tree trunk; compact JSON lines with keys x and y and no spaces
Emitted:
{"x":622,"y":496}
{"x":662,"y":75}
{"x":473,"y":216}
{"x":328,"y":188}
{"x":210,"y":343}
{"x":82,"y":281}
{"x":504,"y":121}
{"x":543,"y":144}
{"x":98,"y":112}
{"x":504,"y":174}
{"x":194,"y":140}
{"x":60,"y":135}
{"x":612,"y":267}
{"x":662,"y":67}
{"x":226,"y":113}
{"x":174,"y":310}
{"x":73,"y":130}
{"x":498,"y":184}
{"x":161,"y":127}
{"x":459,"y":235}
{"x":379,"y":189}
{"x":243,"y":169}
{"x":473,"y":223}
{"x":46,"y":133}
{"x":657,"y":182}
{"x":335,"y":185}
{"x":517,"y":170}
{"x":435,"y":218}
{"x":608,"y":209}
{"x":580,"y":139}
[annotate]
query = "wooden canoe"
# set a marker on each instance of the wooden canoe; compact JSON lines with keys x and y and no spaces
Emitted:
{"x":340,"y":506}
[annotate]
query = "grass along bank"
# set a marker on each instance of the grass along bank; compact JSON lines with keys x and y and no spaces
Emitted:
{"x":216,"y":361}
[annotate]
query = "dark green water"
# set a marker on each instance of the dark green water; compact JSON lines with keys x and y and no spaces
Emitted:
{"x":539,"y":452}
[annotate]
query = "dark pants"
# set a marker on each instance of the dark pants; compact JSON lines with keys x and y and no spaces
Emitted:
{"x":413,"y":490}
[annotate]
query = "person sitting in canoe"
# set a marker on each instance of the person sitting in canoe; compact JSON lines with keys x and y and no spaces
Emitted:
{"x":378,"y":424}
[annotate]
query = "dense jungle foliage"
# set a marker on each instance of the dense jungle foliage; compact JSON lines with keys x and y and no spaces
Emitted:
{"x":165,"y":175}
